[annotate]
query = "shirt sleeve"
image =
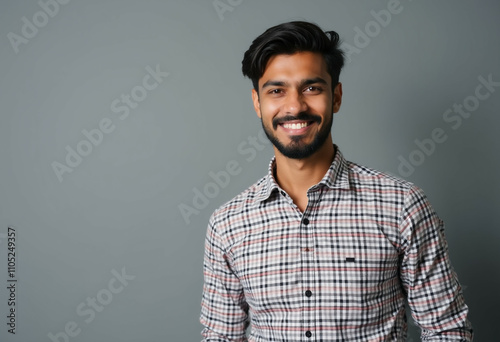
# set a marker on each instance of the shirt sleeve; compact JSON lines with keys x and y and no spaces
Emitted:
{"x":434,"y":293}
{"x":224,"y":311}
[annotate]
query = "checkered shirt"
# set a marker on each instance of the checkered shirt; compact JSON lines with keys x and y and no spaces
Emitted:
{"x":339,"y":271}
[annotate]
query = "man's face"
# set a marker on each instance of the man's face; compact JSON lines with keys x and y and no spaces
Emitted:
{"x":296,"y":104}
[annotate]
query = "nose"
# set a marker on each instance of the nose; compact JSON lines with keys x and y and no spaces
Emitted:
{"x":294,"y":103}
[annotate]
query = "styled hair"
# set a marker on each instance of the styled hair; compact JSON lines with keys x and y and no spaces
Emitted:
{"x":289,"y":38}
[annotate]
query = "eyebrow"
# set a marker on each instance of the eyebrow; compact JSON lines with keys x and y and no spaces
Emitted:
{"x":303,"y":82}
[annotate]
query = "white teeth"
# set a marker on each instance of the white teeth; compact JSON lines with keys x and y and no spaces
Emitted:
{"x":295,"y":125}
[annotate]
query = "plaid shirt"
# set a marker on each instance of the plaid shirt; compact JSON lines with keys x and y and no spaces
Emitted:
{"x":339,"y":271}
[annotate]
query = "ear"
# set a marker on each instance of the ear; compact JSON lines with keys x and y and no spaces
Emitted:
{"x":256,"y":103}
{"x":337,"y":97}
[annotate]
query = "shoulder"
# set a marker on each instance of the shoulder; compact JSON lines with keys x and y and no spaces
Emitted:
{"x":404,"y":195}
{"x":365,"y":177}
{"x":373,"y":185}
{"x":233,"y":210}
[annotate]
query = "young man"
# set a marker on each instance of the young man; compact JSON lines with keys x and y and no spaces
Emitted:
{"x":322,"y":249}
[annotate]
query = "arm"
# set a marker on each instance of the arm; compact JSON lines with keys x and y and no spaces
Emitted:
{"x":224,"y":310}
{"x":434,"y":293}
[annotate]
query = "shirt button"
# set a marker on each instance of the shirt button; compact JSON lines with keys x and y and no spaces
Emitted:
{"x":309,"y":293}
{"x":308,"y":333}
{"x":283,"y":193}
{"x":305,"y":221}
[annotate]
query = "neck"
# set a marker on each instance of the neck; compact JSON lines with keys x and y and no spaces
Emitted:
{"x":296,"y":176}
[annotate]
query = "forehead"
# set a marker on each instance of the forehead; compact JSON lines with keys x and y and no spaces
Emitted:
{"x":294,"y":67}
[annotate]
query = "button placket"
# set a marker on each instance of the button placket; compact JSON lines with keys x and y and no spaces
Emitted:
{"x":308,"y":262}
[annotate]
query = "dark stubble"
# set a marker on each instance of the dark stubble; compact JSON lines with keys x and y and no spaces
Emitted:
{"x":297,"y":149}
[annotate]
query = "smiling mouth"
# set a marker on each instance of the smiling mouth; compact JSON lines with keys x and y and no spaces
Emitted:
{"x":296,"y":127}
{"x":297,"y":122}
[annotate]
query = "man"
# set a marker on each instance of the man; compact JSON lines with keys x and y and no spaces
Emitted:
{"x":322,"y":249}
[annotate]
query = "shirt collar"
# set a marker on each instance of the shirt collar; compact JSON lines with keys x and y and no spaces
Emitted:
{"x":337,"y":177}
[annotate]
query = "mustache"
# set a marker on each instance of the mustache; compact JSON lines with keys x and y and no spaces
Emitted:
{"x":303,"y":116}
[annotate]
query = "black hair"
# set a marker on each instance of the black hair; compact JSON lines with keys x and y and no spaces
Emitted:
{"x":289,"y":38}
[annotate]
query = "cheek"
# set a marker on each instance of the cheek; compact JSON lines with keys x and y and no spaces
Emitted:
{"x":269,"y":108}
{"x":323,"y":108}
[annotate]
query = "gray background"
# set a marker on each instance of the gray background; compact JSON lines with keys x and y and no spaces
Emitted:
{"x":119,"y":208}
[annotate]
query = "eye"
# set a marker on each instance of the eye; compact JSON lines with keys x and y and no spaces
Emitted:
{"x":275,"y":91}
{"x":313,"y":90}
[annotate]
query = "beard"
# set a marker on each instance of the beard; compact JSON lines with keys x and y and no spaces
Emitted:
{"x":297,"y":149}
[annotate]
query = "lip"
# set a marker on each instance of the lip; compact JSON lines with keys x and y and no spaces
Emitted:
{"x":292,"y":131}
